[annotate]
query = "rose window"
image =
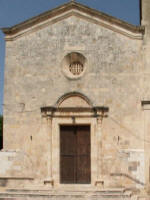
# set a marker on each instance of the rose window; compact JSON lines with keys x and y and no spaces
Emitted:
{"x":76,"y":68}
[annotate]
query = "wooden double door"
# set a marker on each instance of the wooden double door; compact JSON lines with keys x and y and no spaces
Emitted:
{"x":75,"y":158}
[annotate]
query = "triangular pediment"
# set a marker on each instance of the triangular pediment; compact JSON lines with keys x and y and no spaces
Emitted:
{"x":74,"y":9}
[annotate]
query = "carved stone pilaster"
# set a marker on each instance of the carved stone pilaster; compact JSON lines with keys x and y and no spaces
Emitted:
{"x":49,"y":180}
{"x":99,"y":181}
{"x":146,"y":119}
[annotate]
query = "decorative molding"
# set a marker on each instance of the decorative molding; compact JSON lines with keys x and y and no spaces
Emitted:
{"x":74,"y":65}
{"x":16,"y":178}
{"x":145,"y":105}
{"x":99,"y":183}
{"x":73,"y":9}
{"x":73,"y":94}
{"x":49,"y":182}
{"x":74,"y":112}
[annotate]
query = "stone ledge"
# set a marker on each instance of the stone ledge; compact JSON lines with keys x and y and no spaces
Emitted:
{"x":19,"y":178}
{"x":65,"y":195}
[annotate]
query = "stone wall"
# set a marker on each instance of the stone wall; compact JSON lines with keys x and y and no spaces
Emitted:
{"x":113,"y":78}
{"x":15,"y":167}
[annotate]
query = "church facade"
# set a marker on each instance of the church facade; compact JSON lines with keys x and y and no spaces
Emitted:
{"x":77,"y":107}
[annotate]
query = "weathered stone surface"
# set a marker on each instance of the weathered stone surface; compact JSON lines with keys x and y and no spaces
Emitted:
{"x":34,"y":64}
{"x":107,"y":96}
{"x":108,"y":195}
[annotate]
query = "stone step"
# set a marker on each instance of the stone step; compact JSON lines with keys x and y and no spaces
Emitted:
{"x":65,"y":195}
{"x":68,"y":193}
{"x":60,"y":190}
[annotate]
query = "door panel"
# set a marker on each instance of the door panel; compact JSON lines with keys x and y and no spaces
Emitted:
{"x":83,"y":140}
{"x":68,"y":140}
{"x":67,"y":154}
{"x":83,"y":165}
{"x":75,"y":163}
{"x":68,"y":171}
{"x":83,"y":154}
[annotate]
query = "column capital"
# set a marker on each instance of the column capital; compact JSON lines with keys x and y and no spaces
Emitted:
{"x":99,"y":120}
{"x":145,"y":105}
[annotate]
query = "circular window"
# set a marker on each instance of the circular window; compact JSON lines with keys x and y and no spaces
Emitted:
{"x":76,"y":68}
{"x":74,"y":65}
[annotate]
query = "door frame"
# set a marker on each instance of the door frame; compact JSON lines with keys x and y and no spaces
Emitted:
{"x":56,"y":148}
{"x":92,"y":116}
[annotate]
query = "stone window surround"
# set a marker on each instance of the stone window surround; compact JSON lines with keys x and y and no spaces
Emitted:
{"x":69,"y":59}
{"x":74,"y":116}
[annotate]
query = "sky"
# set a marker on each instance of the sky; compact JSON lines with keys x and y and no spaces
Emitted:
{"x":15,"y":11}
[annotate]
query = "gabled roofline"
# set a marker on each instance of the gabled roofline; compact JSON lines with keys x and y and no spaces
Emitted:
{"x":67,"y":7}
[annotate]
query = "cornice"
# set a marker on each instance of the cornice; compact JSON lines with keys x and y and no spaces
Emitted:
{"x":73,"y":9}
{"x":74,"y":112}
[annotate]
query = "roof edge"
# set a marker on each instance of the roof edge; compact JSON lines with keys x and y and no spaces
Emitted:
{"x":66,"y":7}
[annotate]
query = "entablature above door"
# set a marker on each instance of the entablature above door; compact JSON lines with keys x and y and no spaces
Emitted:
{"x":74,"y":105}
{"x":74,"y":111}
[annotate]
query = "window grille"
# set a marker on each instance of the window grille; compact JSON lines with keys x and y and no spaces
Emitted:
{"x":76,"y":68}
